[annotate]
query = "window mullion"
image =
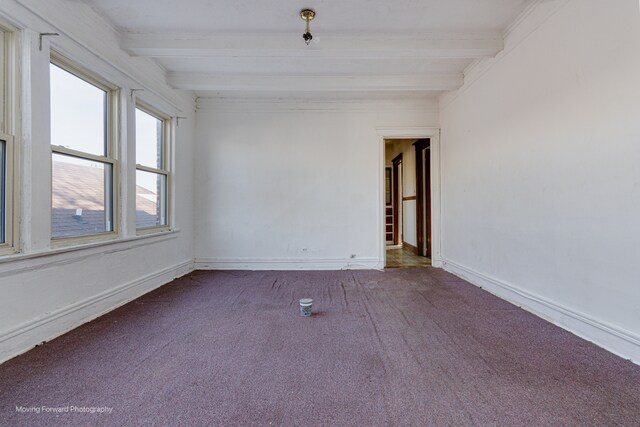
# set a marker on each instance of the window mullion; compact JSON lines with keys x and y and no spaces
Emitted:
{"x":152,"y":170}
{"x":81,"y":154}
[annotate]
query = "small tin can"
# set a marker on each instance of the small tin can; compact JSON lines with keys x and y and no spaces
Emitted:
{"x":305,"y":307}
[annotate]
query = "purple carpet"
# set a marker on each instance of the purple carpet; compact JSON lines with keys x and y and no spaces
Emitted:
{"x":403,"y":347}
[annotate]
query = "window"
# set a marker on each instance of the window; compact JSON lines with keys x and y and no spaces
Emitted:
{"x":8,"y":87}
{"x":83,"y":161}
{"x":152,"y":174}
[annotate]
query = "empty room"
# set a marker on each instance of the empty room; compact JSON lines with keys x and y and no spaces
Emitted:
{"x":361,"y":213}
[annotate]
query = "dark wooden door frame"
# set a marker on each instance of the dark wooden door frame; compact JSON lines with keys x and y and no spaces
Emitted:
{"x":397,"y":240}
{"x":423,"y":195}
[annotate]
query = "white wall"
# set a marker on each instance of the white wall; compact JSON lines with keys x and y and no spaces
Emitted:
{"x":286,"y":185}
{"x":45,"y":291}
{"x":541,"y":175}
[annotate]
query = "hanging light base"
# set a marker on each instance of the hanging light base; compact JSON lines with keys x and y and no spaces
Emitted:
{"x":307,"y":15}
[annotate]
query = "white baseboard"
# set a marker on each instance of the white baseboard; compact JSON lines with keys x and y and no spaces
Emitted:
{"x":612,"y":338}
{"x":24,"y":337}
{"x":437,"y":262}
{"x":289,"y":264}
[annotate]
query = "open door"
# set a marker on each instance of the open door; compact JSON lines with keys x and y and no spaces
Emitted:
{"x":388,"y":205}
{"x":423,"y":196}
{"x":397,"y":199}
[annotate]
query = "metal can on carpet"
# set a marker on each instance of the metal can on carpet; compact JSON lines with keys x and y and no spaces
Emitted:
{"x":305,"y":307}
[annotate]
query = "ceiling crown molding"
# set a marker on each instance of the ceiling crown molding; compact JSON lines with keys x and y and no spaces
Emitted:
{"x":379,"y":46}
{"x":279,"y":83}
{"x":427,"y":107}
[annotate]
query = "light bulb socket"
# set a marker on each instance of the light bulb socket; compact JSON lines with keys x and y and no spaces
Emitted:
{"x":307,"y":37}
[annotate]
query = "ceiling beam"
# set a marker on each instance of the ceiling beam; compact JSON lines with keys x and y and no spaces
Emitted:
{"x":378,"y":46}
{"x":279,"y":83}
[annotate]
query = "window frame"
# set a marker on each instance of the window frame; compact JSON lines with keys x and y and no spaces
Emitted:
{"x":111,"y":157}
{"x":9,"y":120}
{"x":166,"y":166}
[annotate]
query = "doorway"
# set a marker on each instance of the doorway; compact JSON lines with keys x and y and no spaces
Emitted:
{"x":407,"y":203}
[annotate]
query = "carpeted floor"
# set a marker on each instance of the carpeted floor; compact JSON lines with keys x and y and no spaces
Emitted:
{"x":402,"y":347}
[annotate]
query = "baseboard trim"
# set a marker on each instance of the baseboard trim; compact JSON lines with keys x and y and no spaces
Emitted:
{"x":612,"y":338}
{"x":24,"y":337}
{"x":289,"y":264}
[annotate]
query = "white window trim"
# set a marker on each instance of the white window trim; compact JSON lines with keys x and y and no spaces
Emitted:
{"x":11,"y":83}
{"x":165,"y":170}
{"x":111,"y":157}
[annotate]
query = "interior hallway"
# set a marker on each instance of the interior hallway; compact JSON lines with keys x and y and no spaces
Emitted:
{"x":394,"y":347}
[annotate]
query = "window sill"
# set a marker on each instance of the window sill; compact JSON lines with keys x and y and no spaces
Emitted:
{"x":152,"y":230}
{"x":160,"y":236}
{"x":6,"y":250}
{"x":82,"y":241}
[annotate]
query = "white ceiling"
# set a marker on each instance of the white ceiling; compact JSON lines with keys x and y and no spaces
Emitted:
{"x":282,"y":16}
{"x":254,"y":47}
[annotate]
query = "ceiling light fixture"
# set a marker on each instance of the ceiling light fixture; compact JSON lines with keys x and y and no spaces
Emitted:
{"x":307,"y":15}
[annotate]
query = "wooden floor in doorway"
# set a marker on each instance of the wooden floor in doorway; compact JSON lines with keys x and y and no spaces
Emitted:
{"x":398,"y":257}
